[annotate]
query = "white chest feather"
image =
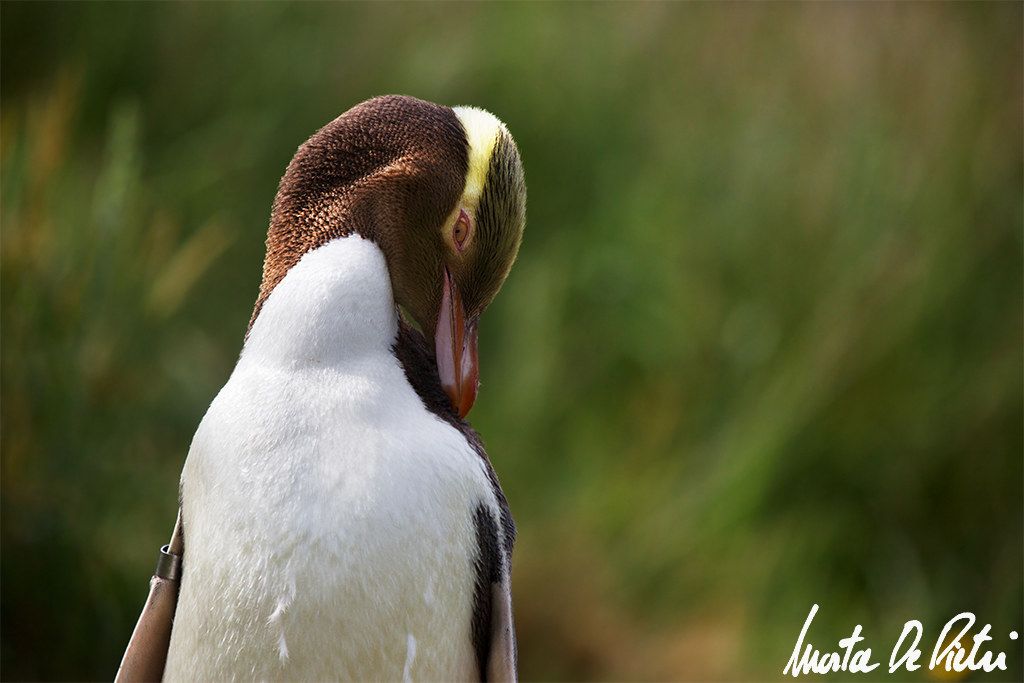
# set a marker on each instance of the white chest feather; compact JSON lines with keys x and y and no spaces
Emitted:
{"x":328,"y":515}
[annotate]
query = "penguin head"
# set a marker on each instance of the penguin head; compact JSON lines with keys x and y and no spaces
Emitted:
{"x":439,"y":190}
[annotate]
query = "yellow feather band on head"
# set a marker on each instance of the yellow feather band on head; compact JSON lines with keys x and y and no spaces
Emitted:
{"x":482,"y":131}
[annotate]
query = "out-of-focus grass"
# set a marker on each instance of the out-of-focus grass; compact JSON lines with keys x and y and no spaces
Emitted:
{"x":762,"y":347}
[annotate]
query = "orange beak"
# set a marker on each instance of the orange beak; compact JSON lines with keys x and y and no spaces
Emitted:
{"x":455,"y":346}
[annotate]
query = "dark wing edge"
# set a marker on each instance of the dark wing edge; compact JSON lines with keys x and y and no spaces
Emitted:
{"x":146,"y":654}
{"x":503,"y":662}
{"x":493,"y":632}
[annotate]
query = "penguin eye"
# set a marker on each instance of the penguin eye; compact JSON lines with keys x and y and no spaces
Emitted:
{"x":461,"y":230}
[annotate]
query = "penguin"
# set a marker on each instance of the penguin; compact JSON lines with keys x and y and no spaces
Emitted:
{"x":339,"y":517}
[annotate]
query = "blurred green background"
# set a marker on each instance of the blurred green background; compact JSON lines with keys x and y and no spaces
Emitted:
{"x":762,"y":347}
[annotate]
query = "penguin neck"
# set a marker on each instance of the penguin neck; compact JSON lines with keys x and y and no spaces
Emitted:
{"x":333,"y":306}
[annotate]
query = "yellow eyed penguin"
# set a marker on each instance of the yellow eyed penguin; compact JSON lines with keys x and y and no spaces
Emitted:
{"x":340,"y":519}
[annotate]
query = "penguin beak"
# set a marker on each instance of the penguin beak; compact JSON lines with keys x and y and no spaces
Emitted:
{"x":455,"y":346}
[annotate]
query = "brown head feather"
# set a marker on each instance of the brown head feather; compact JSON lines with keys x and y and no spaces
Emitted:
{"x":394,"y":170}
{"x":390,"y":169}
